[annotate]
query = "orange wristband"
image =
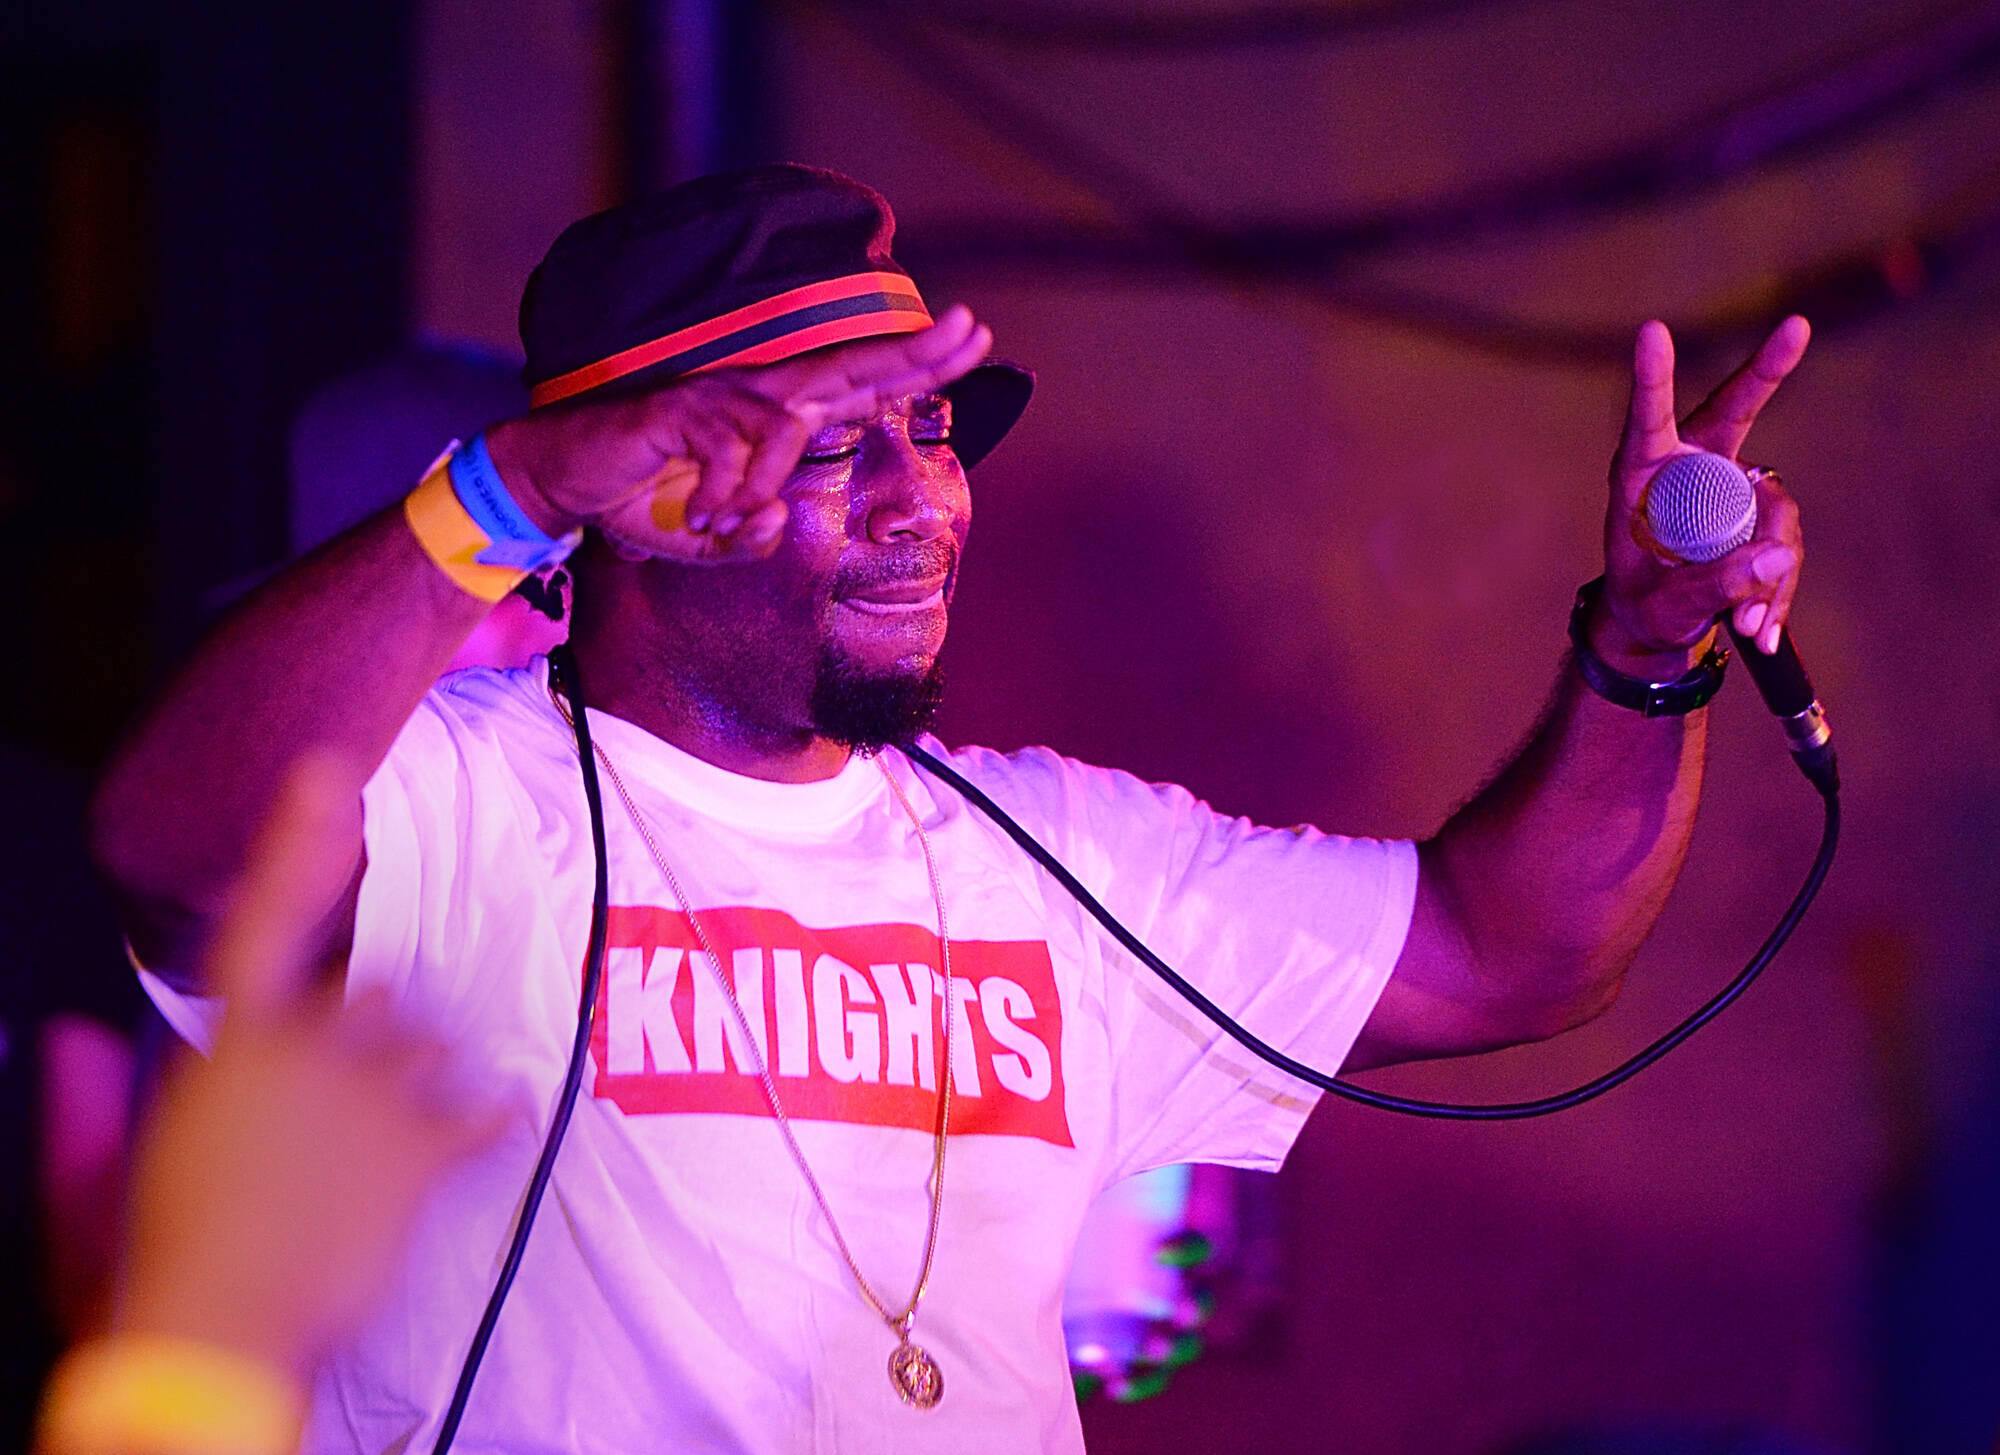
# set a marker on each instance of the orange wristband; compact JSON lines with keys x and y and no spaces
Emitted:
{"x":451,"y":537}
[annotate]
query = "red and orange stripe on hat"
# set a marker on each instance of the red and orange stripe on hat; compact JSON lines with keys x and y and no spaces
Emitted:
{"x":861,"y":305}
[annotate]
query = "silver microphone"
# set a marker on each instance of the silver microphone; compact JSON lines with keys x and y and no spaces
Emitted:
{"x":1699,"y":508}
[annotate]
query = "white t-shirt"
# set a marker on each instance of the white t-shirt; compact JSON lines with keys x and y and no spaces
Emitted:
{"x":680,"y":1290}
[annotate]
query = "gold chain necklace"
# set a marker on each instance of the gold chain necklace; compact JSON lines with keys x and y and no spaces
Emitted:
{"x":912,"y":1370}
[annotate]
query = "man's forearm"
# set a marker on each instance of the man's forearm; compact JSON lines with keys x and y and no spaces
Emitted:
{"x":1533,"y":898}
{"x":330,"y":658}
{"x":1557,"y":870}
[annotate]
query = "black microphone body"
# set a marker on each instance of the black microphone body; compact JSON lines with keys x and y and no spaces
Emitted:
{"x":1702,"y":506}
{"x":1788,"y":692}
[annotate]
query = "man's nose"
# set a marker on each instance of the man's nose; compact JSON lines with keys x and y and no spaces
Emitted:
{"x":912,"y":493}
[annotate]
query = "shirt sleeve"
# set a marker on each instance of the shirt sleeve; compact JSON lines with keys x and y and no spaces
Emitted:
{"x":412,"y":812}
{"x":1292,"y":932}
{"x":416,"y":791}
{"x":460,"y":846}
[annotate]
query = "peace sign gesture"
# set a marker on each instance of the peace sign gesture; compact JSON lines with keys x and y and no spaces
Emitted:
{"x":1656,"y":609}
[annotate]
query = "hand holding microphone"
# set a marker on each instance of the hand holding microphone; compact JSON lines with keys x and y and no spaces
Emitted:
{"x":1700,"y":507}
{"x":1682,"y":550}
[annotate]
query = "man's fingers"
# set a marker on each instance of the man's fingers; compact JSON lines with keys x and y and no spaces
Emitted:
{"x":773,"y":457}
{"x":723,"y":454}
{"x":1692,"y":594}
{"x":756,"y":535}
{"x":1778,"y":525}
{"x":262,"y":958}
{"x":1721,"y":421}
{"x":854,"y":382}
{"x":747,"y":451}
{"x":807,"y":385}
{"x":1779,"y":614}
{"x":924,"y":376}
{"x":1650,"y":435}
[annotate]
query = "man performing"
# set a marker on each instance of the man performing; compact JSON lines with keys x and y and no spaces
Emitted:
{"x":859,"y":1066}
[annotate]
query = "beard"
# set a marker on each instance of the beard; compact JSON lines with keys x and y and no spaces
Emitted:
{"x":868,"y":711}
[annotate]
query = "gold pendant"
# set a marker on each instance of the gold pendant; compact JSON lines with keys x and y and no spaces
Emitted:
{"x":915,"y":1374}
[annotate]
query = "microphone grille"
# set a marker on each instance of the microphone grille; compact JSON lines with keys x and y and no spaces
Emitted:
{"x":1699,"y":507}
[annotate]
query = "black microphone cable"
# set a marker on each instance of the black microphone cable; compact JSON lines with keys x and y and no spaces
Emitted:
{"x":1382,"y":1100}
{"x":562,"y":665}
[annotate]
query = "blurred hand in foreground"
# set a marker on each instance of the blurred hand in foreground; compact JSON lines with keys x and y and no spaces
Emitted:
{"x":278,"y":1181}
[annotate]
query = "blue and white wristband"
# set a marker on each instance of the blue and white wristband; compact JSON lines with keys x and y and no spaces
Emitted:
{"x":517,"y":542}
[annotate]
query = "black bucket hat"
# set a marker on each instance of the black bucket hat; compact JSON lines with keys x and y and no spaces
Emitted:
{"x":739,"y":268}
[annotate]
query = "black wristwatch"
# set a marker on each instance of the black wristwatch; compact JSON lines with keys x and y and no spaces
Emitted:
{"x":1683,"y":694}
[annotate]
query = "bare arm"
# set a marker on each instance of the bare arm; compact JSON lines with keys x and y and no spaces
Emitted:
{"x":332,"y":657}
{"x":1534,"y":897}
{"x":329,"y":658}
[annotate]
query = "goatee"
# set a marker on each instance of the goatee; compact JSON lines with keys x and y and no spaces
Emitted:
{"x":868,"y":711}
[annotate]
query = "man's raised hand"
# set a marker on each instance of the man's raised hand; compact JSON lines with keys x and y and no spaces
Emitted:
{"x":1655,"y":609}
{"x":693,"y":471}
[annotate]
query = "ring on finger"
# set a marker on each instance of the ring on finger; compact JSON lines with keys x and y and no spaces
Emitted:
{"x":1760,"y":473}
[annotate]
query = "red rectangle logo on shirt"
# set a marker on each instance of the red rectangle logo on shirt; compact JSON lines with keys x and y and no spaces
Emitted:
{"x":850,"y":1022}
